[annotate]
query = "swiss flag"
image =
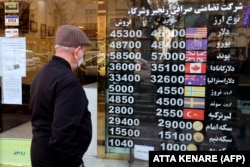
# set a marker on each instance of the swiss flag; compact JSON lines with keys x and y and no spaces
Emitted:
{"x":194,"y":114}
{"x":197,"y":68}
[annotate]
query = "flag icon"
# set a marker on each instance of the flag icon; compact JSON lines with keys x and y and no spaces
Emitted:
{"x":196,"y":56}
{"x":194,"y":102}
{"x":199,"y":32}
{"x":194,"y":114}
{"x":195,"y":91}
{"x":197,"y":68}
{"x":195,"y":79}
{"x":196,"y":44}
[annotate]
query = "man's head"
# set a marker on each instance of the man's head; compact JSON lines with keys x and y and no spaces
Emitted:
{"x":71,"y":36}
{"x":71,"y":43}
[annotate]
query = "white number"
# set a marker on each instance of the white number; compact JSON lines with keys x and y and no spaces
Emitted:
{"x":126,"y":33}
{"x":124,"y":67}
{"x":175,"y":136}
{"x":174,"y":124}
{"x":167,"y":79}
{"x":169,"y":113}
{"x":124,"y":77}
{"x":166,"y":101}
{"x":120,"y":110}
{"x":124,"y":121}
{"x":121,"y":99}
{"x":170,"y":90}
{"x":124,"y":55}
{"x":121,"y":143}
{"x":168,"y":56}
{"x":125,"y":44}
{"x":121,"y":88}
{"x":173,"y":147}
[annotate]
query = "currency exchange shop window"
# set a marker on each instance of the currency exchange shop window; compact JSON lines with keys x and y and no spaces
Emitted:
{"x":178,"y":76}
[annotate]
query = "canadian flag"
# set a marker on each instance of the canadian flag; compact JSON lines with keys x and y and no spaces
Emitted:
{"x":197,"y":68}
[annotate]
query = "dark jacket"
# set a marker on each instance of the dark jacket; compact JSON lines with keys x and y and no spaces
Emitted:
{"x":61,"y":122}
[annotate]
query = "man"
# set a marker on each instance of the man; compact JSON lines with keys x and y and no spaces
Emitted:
{"x":61,"y":122}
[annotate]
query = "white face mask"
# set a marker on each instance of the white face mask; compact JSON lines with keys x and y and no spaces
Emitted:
{"x":80,"y":61}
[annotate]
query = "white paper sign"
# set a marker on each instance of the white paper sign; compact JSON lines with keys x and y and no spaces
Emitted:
{"x":142,"y":152}
{"x":13,"y":56}
{"x":11,"y":90}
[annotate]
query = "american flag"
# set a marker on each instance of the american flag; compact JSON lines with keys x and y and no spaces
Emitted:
{"x":196,"y":56}
{"x":199,"y":32}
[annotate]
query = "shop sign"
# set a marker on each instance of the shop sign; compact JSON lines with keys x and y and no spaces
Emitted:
{"x":11,"y":20}
{"x":11,"y":7}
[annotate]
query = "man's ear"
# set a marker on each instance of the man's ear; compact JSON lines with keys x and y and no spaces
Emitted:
{"x":76,"y":52}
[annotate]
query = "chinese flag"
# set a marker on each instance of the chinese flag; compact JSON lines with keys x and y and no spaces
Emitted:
{"x":194,"y":114}
{"x":197,"y":68}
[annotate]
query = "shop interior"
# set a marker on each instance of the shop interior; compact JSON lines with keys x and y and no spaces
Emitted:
{"x":38,"y":20}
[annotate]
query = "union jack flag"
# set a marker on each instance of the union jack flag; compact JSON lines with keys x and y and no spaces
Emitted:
{"x":196,"y":56}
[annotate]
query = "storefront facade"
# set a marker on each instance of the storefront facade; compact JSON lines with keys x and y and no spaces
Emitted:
{"x":172,"y":74}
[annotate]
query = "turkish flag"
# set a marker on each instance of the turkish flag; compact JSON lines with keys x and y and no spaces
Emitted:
{"x":194,"y":114}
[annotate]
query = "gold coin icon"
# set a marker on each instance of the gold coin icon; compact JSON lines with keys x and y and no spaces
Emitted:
{"x":191,"y":147}
{"x":197,"y":125}
{"x":198,"y":137}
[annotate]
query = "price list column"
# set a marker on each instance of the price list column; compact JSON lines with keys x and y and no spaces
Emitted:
{"x":168,"y":74}
{"x":121,"y":80}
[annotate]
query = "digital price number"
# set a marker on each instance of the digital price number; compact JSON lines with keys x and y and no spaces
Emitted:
{"x":115,"y":88}
{"x":173,"y":146}
{"x":127,"y":132}
{"x":116,"y":142}
{"x":173,"y":68}
{"x":125,"y":44}
{"x":167,"y":79}
{"x":173,"y":33}
{"x":124,"y":55}
{"x":169,"y":101}
{"x":124,"y":67}
{"x":123,"y":99}
{"x":123,"y":110}
{"x":173,"y":45}
{"x":126,"y":33}
{"x":175,"y":56}
{"x":175,"y":136}
{"x":175,"y":124}
{"x":123,"y":121}
{"x":170,"y":90}
{"x":170,"y":113}
{"x":118,"y":77}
